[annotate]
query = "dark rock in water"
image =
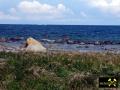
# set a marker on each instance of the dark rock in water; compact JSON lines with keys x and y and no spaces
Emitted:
{"x":77,"y":41}
{"x":108,"y":42}
{"x":15,"y":39}
{"x":100,"y":42}
{"x":86,"y":46}
{"x":116,"y":42}
{"x":89,"y":42}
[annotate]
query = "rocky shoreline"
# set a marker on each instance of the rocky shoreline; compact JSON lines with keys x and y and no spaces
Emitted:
{"x":62,"y":45}
{"x":80,"y":42}
{"x":67,"y":48}
{"x":63,"y":41}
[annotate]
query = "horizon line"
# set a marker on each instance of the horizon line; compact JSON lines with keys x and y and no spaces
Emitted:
{"x":62,"y":24}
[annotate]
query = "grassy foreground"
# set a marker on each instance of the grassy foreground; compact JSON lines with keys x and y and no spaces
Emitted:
{"x":55,"y":71}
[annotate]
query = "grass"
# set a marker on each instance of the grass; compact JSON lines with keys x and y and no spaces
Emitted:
{"x":56,"y":71}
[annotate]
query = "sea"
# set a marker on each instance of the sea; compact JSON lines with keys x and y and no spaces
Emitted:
{"x":82,"y":38}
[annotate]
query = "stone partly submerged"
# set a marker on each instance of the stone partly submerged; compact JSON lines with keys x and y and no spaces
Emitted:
{"x":33,"y":45}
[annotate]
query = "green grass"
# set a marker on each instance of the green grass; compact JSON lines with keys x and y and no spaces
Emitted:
{"x":55,"y":71}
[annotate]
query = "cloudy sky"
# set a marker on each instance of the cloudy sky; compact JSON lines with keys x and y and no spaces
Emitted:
{"x":80,"y":12}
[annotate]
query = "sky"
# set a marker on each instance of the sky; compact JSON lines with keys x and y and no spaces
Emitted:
{"x":67,"y":12}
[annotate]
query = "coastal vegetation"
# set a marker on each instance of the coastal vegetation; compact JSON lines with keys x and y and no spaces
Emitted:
{"x":56,"y":70}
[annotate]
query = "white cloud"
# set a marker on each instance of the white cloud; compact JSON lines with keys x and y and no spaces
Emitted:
{"x":13,"y":11}
{"x":4,"y":16}
{"x":83,"y":14}
{"x":109,"y":6}
{"x":36,"y":10}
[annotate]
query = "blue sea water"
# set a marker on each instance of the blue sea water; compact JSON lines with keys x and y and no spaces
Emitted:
{"x":74,"y":32}
{"x":82,"y":33}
